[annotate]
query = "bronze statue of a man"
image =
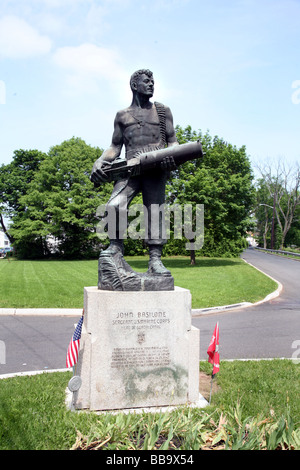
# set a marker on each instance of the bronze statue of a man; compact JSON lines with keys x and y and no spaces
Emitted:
{"x":142,"y":127}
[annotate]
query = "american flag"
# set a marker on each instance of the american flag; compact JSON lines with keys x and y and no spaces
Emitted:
{"x":73,"y":349}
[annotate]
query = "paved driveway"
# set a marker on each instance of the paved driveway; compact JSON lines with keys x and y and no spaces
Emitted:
{"x":268,"y":330}
{"x":35,"y":342}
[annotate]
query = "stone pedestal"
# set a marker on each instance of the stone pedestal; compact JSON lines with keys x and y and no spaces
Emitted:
{"x":138,"y":350}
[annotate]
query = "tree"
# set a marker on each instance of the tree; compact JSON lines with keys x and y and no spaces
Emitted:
{"x":265,"y":215}
{"x":283,"y":186}
{"x":222,"y":181}
{"x":14,"y":180}
{"x":60,"y":204}
{"x":293,"y":236}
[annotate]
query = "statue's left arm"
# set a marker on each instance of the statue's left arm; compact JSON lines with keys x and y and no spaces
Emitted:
{"x":170,"y":131}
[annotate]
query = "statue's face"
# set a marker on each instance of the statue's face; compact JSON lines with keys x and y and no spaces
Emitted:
{"x":145,"y":85}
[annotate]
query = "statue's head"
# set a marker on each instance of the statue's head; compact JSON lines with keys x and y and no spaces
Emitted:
{"x":142,"y":81}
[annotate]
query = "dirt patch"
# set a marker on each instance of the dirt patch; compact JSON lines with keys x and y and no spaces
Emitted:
{"x":205,"y":384}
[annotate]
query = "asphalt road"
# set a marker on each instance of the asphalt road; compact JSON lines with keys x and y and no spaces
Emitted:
{"x":268,"y":330}
{"x":272,"y":329}
{"x":35,"y":342}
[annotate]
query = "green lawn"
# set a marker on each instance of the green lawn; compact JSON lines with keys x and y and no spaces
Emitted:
{"x":59,"y":284}
{"x":256,"y":407}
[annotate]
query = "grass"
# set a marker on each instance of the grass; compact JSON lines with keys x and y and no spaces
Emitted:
{"x":59,"y":284}
{"x":256,"y":407}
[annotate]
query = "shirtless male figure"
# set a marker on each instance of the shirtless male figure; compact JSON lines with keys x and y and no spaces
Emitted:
{"x":143,"y":126}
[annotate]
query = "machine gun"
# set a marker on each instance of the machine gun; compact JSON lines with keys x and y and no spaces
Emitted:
{"x":146,"y":161}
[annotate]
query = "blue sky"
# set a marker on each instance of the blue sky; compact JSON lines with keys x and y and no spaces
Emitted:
{"x":228,"y":66}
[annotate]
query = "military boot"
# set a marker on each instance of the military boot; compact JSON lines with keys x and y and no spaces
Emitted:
{"x":155,"y":266}
{"x":115,"y":247}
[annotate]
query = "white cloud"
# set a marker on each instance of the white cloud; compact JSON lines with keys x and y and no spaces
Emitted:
{"x":88,"y":59}
{"x":87,"y":65}
{"x":169,"y":4}
{"x":19,"y":40}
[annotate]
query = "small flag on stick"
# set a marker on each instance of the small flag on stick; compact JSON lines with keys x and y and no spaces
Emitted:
{"x":213,"y":351}
{"x":74,"y":345}
{"x":213,"y":355}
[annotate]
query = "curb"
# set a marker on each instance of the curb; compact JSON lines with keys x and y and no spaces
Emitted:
{"x":71,"y":312}
{"x":196,"y":312}
{"x":32,"y":372}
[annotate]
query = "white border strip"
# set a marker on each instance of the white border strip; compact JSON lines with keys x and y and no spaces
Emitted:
{"x":32,"y":372}
{"x":71,"y":312}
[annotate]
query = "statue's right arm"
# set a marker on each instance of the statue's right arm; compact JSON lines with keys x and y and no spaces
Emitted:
{"x":109,"y":155}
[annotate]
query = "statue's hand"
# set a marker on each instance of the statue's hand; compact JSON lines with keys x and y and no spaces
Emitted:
{"x":168,"y":164}
{"x":98,"y":174}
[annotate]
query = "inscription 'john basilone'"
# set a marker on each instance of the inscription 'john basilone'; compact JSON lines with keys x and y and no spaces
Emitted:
{"x":147,"y":319}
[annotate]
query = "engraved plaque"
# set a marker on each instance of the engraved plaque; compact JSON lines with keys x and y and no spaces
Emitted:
{"x":137,"y":351}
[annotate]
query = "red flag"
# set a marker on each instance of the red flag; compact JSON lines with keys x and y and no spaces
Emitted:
{"x":213,"y":350}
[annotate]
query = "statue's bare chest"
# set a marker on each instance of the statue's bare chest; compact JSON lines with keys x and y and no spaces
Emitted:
{"x":141,"y":126}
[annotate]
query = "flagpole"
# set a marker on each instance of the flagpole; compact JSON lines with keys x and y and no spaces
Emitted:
{"x":211,"y":384}
{"x":72,"y":358}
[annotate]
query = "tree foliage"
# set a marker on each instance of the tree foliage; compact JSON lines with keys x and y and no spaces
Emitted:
{"x":60,"y":204}
{"x":222,"y":182}
{"x":14,"y":182}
